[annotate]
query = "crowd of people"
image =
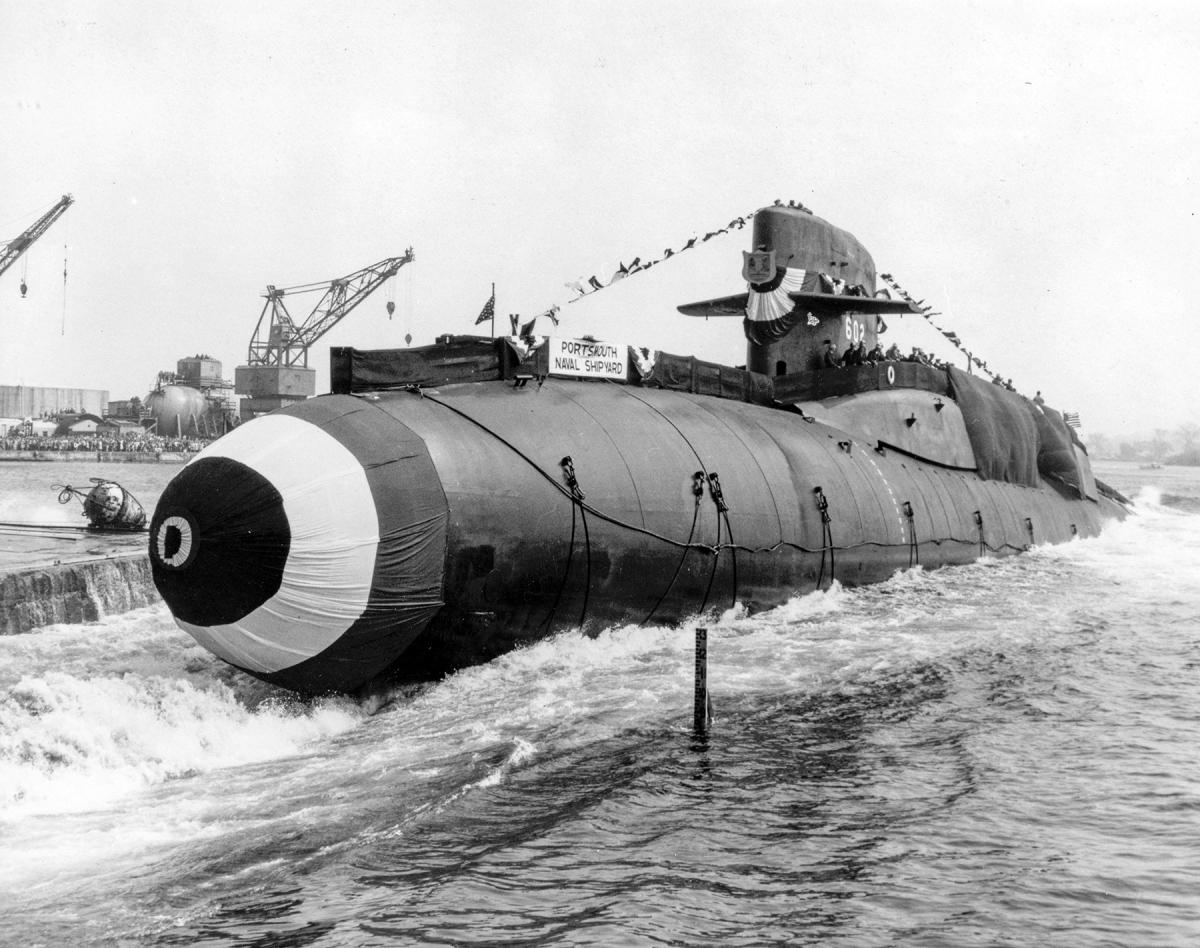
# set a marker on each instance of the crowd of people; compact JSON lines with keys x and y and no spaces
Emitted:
{"x":150,"y":443}
{"x":857,"y":354}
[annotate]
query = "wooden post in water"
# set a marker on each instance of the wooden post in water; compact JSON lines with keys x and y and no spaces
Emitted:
{"x":701,"y":710}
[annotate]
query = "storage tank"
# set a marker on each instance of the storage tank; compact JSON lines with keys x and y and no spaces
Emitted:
{"x":178,"y":409}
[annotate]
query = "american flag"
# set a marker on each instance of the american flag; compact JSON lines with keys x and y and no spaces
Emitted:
{"x":488,"y":311}
{"x":1071,"y":418}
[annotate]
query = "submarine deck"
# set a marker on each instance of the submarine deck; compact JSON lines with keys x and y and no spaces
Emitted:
{"x":999,"y":434}
{"x":481,"y":358}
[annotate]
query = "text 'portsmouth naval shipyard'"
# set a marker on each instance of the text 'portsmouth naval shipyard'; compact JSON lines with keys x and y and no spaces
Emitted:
{"x":600,"y":360}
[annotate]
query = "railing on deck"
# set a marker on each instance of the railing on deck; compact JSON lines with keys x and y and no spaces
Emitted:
{"x":480,"y":358}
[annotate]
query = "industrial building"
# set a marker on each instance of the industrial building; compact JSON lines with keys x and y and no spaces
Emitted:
{"x":35,"y":401}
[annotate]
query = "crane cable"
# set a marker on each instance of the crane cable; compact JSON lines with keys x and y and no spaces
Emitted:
{"x":22,"y":219}
{"x":63,"y":329}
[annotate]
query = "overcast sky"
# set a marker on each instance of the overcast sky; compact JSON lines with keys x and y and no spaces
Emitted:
{"x":1027,"y":167}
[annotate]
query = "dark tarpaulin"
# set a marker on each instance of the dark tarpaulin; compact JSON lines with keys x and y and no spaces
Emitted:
{"x":1086,"y":474}
{"x":689,"y":374}
{"x":373,"y":370}
{"x":1056,"y":454}
{"x":1001,"y":429}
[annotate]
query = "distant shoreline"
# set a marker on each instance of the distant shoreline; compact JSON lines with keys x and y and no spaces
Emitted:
{"x":105,"y":457}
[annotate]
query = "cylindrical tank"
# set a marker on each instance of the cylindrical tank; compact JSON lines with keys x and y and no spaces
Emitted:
{"x":177,"y":409}
{"x":405,"y":535}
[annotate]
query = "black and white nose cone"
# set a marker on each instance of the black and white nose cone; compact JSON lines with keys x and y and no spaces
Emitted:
{"x":264,"y":546}
{"x":305,"y":547}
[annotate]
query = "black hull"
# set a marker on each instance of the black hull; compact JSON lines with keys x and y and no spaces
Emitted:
{"x":485,"y":542}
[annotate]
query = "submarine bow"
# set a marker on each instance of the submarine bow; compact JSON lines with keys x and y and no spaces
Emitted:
{"x":306,"y":548}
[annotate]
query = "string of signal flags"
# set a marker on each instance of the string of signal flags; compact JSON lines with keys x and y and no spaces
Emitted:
{"x":587,"y":286}
{"x":590,"y":285}
{"x":928,"y":312}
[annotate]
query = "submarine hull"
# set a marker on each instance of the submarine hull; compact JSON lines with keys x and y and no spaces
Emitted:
{"x":405,"y":534}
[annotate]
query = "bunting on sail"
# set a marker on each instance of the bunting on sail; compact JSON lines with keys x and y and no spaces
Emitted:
{"x":770,"y":311}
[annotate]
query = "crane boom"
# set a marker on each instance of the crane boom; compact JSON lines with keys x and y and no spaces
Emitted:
{"x":278,"y":340}
{"x":10,"y":251}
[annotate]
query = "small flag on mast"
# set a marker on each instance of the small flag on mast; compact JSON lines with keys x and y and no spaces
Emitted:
{"x":489,"y":309}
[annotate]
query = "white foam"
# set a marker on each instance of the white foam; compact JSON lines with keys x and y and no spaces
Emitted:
{"x":1148,"y":495}
{"x":71,"y":744}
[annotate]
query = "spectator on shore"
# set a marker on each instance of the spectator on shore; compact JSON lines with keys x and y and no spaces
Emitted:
{"x":92,"y":443}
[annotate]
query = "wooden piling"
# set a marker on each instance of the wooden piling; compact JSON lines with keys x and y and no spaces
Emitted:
{"x":701,"y":710}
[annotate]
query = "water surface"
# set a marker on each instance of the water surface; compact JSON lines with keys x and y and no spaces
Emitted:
{"x":996,"y":754}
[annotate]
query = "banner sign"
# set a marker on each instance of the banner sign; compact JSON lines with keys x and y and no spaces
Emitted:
{"x":587,"y":358}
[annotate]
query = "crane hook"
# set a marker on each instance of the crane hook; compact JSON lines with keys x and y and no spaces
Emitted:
{"x":24,"y":288}
{"x":391,"y":308}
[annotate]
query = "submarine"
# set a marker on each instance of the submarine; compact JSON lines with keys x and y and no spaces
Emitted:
{"x":447,"y":503}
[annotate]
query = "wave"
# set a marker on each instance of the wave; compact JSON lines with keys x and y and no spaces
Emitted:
{"x":1183,"y":502}
{"x":128,"y":729}
{"x":92,"y":714}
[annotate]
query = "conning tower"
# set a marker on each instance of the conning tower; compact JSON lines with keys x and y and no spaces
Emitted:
{"x":808,"y":281}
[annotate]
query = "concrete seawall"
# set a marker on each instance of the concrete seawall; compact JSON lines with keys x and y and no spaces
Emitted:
{"x":74,"y":591}
{"x":104,"y":457}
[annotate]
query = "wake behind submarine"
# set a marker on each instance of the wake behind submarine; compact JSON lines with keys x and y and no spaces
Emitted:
{"x":448,"y":503}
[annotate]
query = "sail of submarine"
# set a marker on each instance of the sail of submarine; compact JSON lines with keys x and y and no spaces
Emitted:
{"x":448,"y":503}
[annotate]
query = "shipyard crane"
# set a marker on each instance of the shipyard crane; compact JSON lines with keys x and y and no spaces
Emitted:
{"x":278,"y":340}
{"x":10,"y":251}
{"x":276,"y":372}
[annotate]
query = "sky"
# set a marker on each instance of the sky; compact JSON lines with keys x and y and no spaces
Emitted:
{"x":1029,"y":168}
